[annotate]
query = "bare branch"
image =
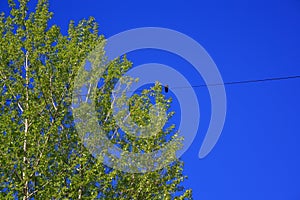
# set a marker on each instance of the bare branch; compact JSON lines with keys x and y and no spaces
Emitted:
{"x":51,"y":95}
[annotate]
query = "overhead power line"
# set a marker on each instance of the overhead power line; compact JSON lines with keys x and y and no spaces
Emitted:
{"x":234,"y":82}
{"x":241,"y":82}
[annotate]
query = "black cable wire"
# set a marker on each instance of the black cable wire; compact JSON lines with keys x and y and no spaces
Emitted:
{"x":241,"y":82}
{"x":234,"y":82}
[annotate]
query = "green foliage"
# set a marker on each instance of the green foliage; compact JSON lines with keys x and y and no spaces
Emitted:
{"x":42,"y":155}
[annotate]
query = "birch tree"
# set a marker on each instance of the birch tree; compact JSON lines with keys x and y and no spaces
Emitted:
{"x":42,"y":156}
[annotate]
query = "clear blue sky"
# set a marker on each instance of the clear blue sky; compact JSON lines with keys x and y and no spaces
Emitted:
{"x":257,"y":156}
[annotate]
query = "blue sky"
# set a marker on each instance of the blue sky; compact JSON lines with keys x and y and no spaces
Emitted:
{"x":257,"y":156}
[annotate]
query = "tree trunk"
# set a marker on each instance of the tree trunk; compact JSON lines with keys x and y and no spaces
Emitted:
{"x":26,"y":192}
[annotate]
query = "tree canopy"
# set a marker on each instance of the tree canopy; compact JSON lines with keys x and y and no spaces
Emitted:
{"x":42,"y":154}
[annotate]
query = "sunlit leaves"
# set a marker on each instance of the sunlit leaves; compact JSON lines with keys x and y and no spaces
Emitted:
{"x":37,"y":69}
